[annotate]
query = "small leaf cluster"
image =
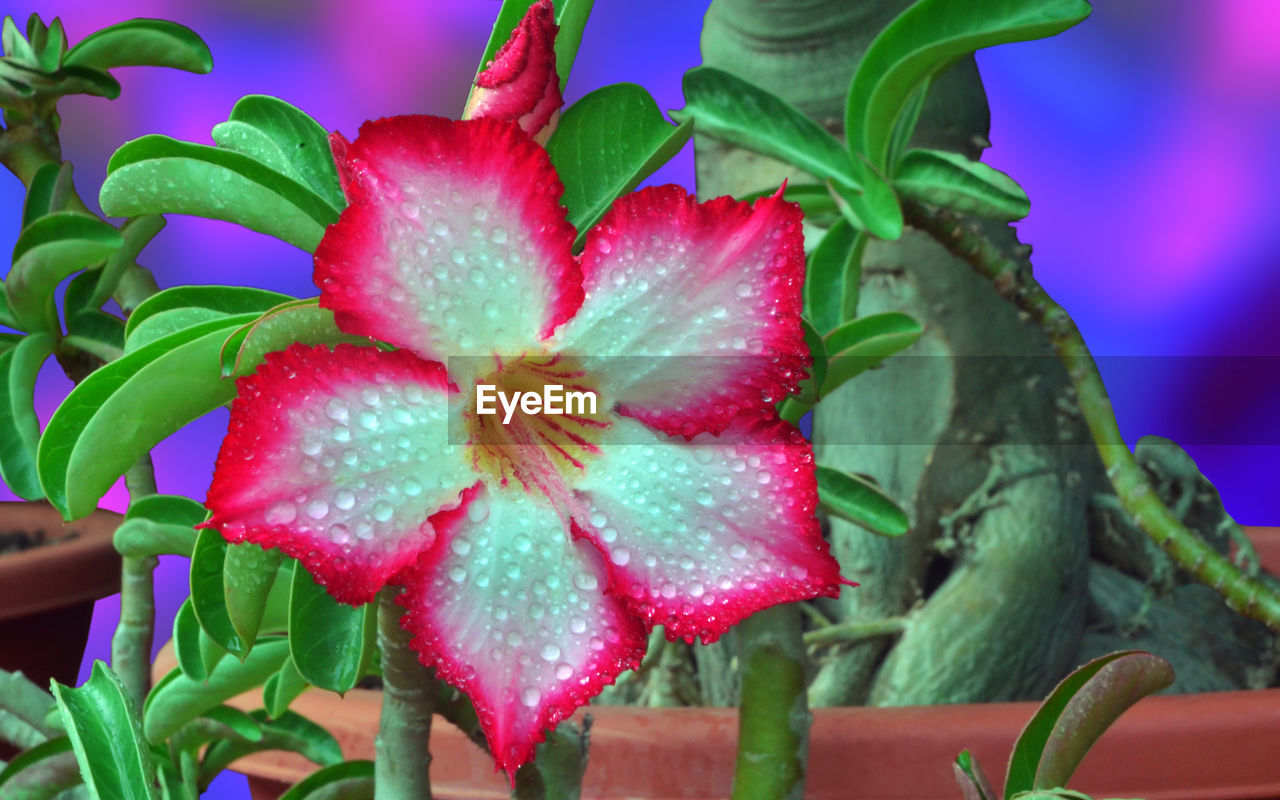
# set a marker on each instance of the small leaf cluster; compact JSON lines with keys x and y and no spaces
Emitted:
{"x":863,"y":182}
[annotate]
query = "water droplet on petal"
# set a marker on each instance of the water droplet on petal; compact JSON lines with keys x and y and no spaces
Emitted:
{"x":282,"y":513}
{"x":530,"y":696}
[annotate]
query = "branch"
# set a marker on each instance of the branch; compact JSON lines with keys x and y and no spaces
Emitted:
{"x":409,"y":691}
{"x":1013,"y":281}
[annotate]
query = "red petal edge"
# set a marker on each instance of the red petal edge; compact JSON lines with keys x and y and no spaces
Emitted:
{"x":521,"y":83}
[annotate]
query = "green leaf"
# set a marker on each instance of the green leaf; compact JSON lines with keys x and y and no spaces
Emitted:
{"x":104,"y":731}
{"x":350,"y":780}
{"x":49,"y":190}
{"x":727,"y":107}
{"x":286,"y":139}
{"x":905,"y":127}
{"x":142,"y":42}
{"x":860,"y":501}
{"x":571,"y":17}
{"x":247,"y":576}
{"x":78,"y":79}
{"x":925,"y":39}
{"x":177,"y":699}
{"x":166,"y":323}
{"x":1076,"y":713}
{"x":54,"y":46}
{"x":19,"y":427}
{"x":295,"y":321}
{"x":207,"y":596}
{"x":223,"y":299}
{"x":41,"y":772}
{"x":48,"y":250}
{"x":123,"y":409}
{"x":291,"y":732}
{"x":186,"y":642}
{"x":220,"y":723}
{"x":605,"y":144}
{"x":331,"y":643}
{"x":282,"y":689}
{"x":861,"y":344}
{"x":875,"y":208}
{"x":952,"y":181}
{"x":15,"y":45}
{"x":159,"y":524}
{"x":158,"y":175}
{"x":833,"y":276}
{"x":6,"y":314}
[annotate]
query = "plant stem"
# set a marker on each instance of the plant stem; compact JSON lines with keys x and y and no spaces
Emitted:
{"x":1013,"y":281}
{"x":131,"y":644}
{"x":855,"y":631}
{"x":773,"y":718}
{"x":409,"y":691}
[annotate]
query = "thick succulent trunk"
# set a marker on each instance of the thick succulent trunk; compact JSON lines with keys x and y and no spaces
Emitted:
{"x":983,"y":451}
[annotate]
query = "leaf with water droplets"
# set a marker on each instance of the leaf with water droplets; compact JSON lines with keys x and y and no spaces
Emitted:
{"x":605,"y":144}
{"x":331,"y":643}
{"x":159,"y":175}
{"x":208,"y":599}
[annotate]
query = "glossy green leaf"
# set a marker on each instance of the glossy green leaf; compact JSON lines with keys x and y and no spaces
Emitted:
{"x":291,"y":732}
{"x":186,"y":642}
{"x":177,"y":699}
{"x":605,"y":144}
{"x":950,"y":180}
{"x":875,"y":209}
{"x":247,"y":576}
{"x":282,"y":689}
{"x":102,"y":724}
{"x":159,"y":524}
{"x":861,"y":344}
{"x":158,"y":175}
{"x":50,"y":187}
{"x":926,"y":38}
{"x":350,"y":780}
{"x":223,"y":299}
{"x":331,"y":642}
{"x":727,"y":107}
{"x":905,"y":127}
{"x":6,"y":314}
{"x":142,"y":42}
{"x":1076,"y":713}
{"x":207,"y":596}
{"x":167,"y":322}
{"x":125,"y":408}
{"x":860,"y":501}
{"x":41,"y":772}
{"x":295,"y":321}
{"x":19,"y":427}
{"x":833,"y":276}
{"x":53,"y":45}
{"x":48,"y":250}
{"x":285,"y":139}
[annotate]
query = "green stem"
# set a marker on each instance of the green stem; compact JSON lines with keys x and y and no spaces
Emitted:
{"x":856,"y":631}
{"x":1013,"y":281}
{"x":773,"y":718}
{"x":131,"y":644}
{"x":409,"y":691}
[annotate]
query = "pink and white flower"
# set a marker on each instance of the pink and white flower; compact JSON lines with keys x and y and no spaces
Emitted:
{"x":535,"y":555}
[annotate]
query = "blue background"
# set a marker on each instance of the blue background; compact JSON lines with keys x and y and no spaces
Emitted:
{"x":1144,"y":138}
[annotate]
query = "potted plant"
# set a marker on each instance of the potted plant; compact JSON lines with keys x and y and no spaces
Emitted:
{"x":273,"y":171}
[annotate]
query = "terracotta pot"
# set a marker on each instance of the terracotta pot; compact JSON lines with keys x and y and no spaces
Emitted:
{"x":47,"y":592}
{"x":1220,"y":745}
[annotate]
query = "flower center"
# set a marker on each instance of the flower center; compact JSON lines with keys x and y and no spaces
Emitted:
{"x":536,"y":419}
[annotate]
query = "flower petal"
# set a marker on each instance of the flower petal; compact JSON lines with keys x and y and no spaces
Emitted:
{"x":702,"y":534}
{"x":454,"y":242}
{"x":668,"y":277}
{"x":338,"y":458}
{"x":521,"y":84}
{"x":511,"y":611}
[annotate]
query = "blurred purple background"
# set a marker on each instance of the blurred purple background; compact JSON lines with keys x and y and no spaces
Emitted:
{"x":1143,"y":137}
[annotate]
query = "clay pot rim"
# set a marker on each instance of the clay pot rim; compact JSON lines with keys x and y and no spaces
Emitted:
{"x":66,"y":573}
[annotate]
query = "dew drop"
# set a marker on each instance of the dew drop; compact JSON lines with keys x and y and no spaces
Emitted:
{"x":382,"y":511}
{"x":530,"y":696}
{"x":563,"y":671}
{"x":738,"y":550}
{"x":317,"y":509}
{"x":550,"y":652}
{"x":478,"y":510}
{"x":586,"y":581}
{"x":461,"y":545}
{"x":282,"y":513}
{"x":703,"y":497}
{"x":620,"y":556}
{"x":457,"y":574}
